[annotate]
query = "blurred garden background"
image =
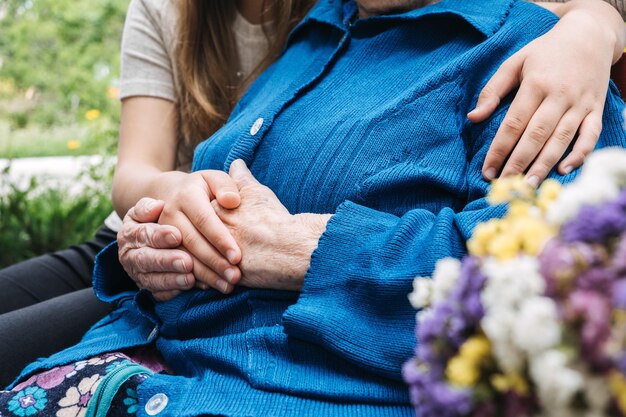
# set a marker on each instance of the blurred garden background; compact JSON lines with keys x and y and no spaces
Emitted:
{"x":59,"y":69}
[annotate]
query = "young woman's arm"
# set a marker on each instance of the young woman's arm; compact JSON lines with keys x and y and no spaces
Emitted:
{"x":147,"y":153}
{"x":619,"y":5}
{"x":562,"y":78}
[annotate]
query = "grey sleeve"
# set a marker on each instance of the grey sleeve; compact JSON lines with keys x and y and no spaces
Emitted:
{"x":620,"y":5}
{"x":146,"y":66}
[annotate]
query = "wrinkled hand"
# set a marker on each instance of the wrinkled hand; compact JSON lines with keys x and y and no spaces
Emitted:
{"x":562,"y":90}
{"x":214,"y":251}
{"x":276,"y":245}
{"x":148,"y":253}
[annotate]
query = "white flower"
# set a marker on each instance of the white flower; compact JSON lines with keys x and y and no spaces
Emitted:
{"x":428,"y":291}
{"x":601,"y":179}
{"x":510,"y":282}
{"x":422,"y":292}
{"x":586,"y":191}
{"x":536,"y":327}
{"x":498,"y":325}
{"x":76,"y":399}
{"x":445,"y":277}
{"x":556,"y":383}
{"x":607,"y":164}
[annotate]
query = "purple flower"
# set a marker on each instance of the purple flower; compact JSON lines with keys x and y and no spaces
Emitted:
{"x":620,"y":362}
{"x":593,"y":311}
{"x":452,"y":321}
{"x":561,"y":262}
{"x":597,"y":279}
{"x":433,"y":398}
{"x":619,"y":256}
{"x":619,"y":294}
{"x":596,"y":224}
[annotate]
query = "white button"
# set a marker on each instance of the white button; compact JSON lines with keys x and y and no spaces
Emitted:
{"x":156,"y":404}
{"x":153,"y":334}
{"x":256,"y":126}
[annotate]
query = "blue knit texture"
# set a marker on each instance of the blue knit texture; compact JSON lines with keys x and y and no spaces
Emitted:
{"x":365,"y":119}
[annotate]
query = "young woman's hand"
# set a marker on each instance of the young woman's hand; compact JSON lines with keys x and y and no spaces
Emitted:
{"x":563,"y":78}
{"x":188,"y":208}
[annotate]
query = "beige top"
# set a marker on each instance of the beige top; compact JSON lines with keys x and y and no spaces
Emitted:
{"x":148,"y":60}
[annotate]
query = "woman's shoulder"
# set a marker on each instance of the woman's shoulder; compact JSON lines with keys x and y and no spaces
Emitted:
{"x":162,"y":13}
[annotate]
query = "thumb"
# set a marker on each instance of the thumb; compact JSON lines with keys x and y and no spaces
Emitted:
{"x":147,"y":210}
{"x":241,"y":174}
{"x":506,"y":78}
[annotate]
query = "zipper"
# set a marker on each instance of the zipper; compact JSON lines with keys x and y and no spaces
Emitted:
{"x":102,"y":398}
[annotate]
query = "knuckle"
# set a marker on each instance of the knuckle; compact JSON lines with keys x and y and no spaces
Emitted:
{"x":537,"y":135}
{"x":595,"y":129}
{"x":141,"y":279}
{"x":190,"y":239}
{"x":513,"y":123}
{"x":498,"y":152}
{"x":202,"y":219}
{"x":565,"y":135}
{"x":488,"y":91}
{"x":545,"y":164}
{"x":516,"y":166}
{"x":140,"y":260}
{"x":562,"y":89}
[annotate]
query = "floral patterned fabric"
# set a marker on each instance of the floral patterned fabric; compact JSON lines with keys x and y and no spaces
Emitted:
{"x":66,"y":391}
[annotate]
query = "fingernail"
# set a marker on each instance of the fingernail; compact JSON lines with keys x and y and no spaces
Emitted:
{"x":568,"y":169}
{"x":231,"y":255}
{"x":473,"y":111}
{"x":490,"y":173}
{"x":181,"y":280}
{"x":171,"y":239}
{"x":229,"y":274}
{"x":179,"y":265}
{"x":222,"y":285}
{"x":533,"y":181}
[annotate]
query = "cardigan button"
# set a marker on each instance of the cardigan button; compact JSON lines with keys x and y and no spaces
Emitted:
{"x":256,"y":126}
{"x":156,"y":404}
{"x":153,"y":334}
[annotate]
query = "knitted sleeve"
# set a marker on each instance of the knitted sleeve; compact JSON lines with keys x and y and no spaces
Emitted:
{"x":354,"y":300}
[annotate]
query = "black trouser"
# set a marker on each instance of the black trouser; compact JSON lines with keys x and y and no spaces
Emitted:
{"x":47,"y":304}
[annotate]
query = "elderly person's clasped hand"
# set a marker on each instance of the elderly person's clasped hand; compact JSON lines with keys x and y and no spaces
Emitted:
{"x":276,"y":246}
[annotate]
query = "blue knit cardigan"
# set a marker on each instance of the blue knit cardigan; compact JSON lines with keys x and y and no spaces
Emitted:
{"x":364,"y":119}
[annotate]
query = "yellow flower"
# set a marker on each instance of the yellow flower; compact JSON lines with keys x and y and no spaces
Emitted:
{"x":504,"y":246}
{"x":510,"y":382}
{"x":113,"y":92}
{"x":92,"y":114}
{"x":548,"y":192}
{"x":518,"y":208}
{"x":534,"y":233}
{"x":462,"y":372}
{"x":617,"y":386}
{"x":509,"y":188}
{"x":464,"y":369}
{"x":476,"y":349}
{"x":482,"y":235}
{"x":73,"y":144}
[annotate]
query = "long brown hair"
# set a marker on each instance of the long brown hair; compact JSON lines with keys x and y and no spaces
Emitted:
{"x":207,"y":59}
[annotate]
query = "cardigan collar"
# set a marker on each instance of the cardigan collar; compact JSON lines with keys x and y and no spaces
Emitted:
{"x":486,"y":16}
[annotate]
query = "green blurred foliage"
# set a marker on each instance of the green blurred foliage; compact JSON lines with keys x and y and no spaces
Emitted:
{"x":59,"y":63}
{"x":66,"y":52}
{"x":39,"y":219}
